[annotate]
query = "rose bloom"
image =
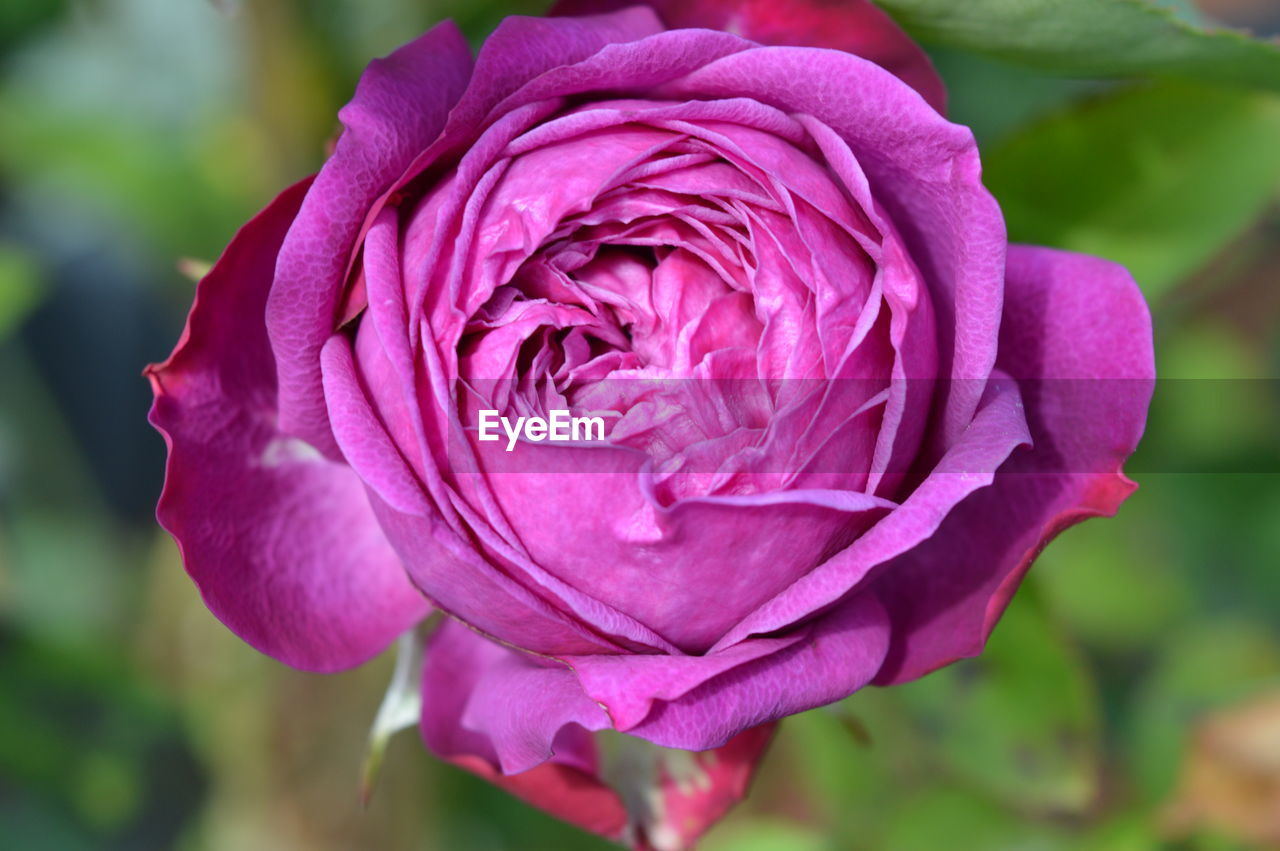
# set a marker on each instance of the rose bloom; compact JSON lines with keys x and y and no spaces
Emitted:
{"x":748,"y":235}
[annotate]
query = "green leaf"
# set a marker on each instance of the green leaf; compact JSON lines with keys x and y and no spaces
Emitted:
{"x":1022,"y":721}
{"x":1024,"y":97}
{"x":1092,"y":38}
{"x":1158,"y":178}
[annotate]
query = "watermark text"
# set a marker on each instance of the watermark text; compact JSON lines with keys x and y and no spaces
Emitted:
{"x":559,"y":426}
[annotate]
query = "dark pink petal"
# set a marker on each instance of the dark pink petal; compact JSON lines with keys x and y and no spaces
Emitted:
{"x":364,"y":440}
{"x":516,"y":708}
{"x":1077,"y":335}
{"x":399,"y":108}
{"x":925,"y":172}
{"x":630,"y":686}
{"x":521,"y":709}
{"x":838,"y":654}
{"x":690,"y":808}
{"x":460,"y":580}
{"x":687,"y":572}
{"x":928,"y":171}
{"x":568,"y":793}
{"x":373,"y":426}
{"x":608,"y":52}
{"x":970,"y":465}
{"x":281,"y":542}
{"x":566,"y":786}
{"x":521,"y":49}
{"x":495,"y":711}
{"x":856,"y":26}
{"x":520,"y":52}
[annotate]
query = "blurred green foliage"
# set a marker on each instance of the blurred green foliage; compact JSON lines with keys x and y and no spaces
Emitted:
{"x":1185,"y":169}
{"x":1095,"y":38}
{"x":135,"y":133}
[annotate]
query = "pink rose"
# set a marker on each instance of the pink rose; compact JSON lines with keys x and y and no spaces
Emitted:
{"x":837,"y":427}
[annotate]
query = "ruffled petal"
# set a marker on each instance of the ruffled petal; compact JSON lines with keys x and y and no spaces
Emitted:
{"x":925,"y":172}
{"x":836,"y":656}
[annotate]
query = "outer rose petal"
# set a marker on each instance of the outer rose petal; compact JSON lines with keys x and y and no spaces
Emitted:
{"x":855,"y":26}
{"x":399,"y":108}
{"x":519,"y":709}
{"x":1077,"y":335}
{"x":832,"y":659}
{"x":283,"y":544}
{"x":998,"y":429}
{"x":477,"y":693}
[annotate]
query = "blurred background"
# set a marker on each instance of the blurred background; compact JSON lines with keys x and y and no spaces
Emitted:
{"x":1130,"y":699}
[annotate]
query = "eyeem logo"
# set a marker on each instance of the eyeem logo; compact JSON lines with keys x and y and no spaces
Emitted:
{"x":560,"y":427}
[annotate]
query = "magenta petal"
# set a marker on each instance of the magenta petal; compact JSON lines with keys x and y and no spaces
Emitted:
{"x":462,"y":582}
{"x":567,"y":785}
{"x":856,"y":26}
{"x":399,"y":108}
{"x":836,"y":656}
{"x":1078,"y":336}
{"x":493,"y":710}
{"x":923,"y":169}
{"x":1072,"y":316}
{"x":520,"y":51}
{"x":482,"y":698}
{"x":522,"y":48}
{"x":363,"y":439}
{"x":998,"y":429}
{"x":281,"y":542}
{"x":686,"y":573}
{"x":629,"y":686}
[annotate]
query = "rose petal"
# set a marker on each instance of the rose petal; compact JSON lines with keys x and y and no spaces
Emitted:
{"x":399,"y":107}
{"x":491,"y":710}
{"x":687,"y":572}
{"x":629,"y":686}
{"x":566,"y":786}
{"x":969,"y":466}
{"x":720,"y":779}
{"x":838,"y":655}
{"x":281,"y":542}
{"x":1077,"y":333}
{"x":460,"y":580}
{"x":855,"y":26}
{"x":923,"y":169}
